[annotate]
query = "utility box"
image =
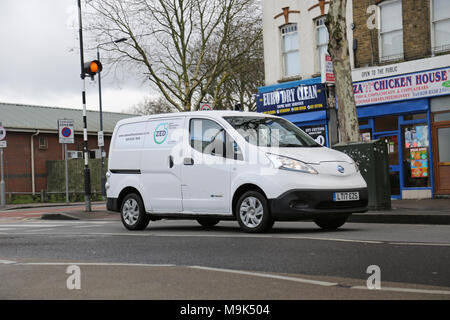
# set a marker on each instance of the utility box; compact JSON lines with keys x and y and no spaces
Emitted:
{"x":372,"y":159}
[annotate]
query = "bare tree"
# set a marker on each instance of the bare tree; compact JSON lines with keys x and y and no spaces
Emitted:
{"x":241,"y":79}
{"x":152,"y":106}
{"x":169,"y":40}
{"x":339,"y":51}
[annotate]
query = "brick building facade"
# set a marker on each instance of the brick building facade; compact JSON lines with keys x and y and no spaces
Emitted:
{"x":416,"y":17}
{"x":32,"y":139}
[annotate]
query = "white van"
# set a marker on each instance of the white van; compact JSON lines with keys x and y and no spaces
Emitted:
{"x":228,"y":165}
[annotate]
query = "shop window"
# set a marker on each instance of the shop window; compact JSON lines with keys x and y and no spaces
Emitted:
{"x":440,"y":17}
{"x":417,"y":116}
{"x":366,"y":134}
{"x":391,"y":31}
{"x":321,"y":39}
{"x":392,"y":147}
{"x":386,"y":123}
{"x":445,"y":116}
{"x":364,"y":122}
{"x":290,"y":50}
{"x":416,"y":156}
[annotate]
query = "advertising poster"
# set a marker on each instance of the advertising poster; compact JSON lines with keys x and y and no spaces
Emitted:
{"x":419,"y":162}
{"x":416,"y":137}
{"x":318,"y":133}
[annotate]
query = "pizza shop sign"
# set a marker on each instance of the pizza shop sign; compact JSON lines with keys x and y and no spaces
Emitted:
{"x":403,"y":87}
{"x":292,"y":100}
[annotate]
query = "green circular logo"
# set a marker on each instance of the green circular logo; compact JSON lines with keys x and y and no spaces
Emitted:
{"x":161,"y":133}
{"x":446,"y":84}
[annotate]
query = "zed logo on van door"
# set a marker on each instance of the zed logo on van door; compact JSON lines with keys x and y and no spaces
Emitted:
{"x":161,"y":133}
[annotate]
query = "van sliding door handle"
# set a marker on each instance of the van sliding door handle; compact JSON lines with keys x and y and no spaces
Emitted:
{"x":188,"y":161}
{"x":170,"y":162}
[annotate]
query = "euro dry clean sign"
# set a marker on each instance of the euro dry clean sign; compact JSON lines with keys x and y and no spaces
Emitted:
{"x":417,"y":85}
{"x":292,"y":100}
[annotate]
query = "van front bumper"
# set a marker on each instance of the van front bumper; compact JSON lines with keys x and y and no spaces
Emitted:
{"x":112,"y":204}
{"x":310,"y":204}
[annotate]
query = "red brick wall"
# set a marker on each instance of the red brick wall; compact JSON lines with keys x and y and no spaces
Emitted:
{"x":17,"y":158}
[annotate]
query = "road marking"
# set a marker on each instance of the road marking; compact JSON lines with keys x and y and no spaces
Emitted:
{"x":36,"y":225}
{"x":409,"y":290}
{"x":104,"y":264}
{"x":420,"y":244}
{"x":267,"y":275}
{"x":7,"y":262}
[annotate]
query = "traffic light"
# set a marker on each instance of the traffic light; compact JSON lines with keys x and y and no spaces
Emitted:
{"x":91,"y":68}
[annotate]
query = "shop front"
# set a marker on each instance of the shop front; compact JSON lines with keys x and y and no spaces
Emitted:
{"x":302,"y":102}
{"x":411,"y":112}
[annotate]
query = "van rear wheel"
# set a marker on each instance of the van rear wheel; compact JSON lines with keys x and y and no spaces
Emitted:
{"x":208,"y":222}
{"x":252,"y":212}
{"x":331,"y":223}
{"x":133,"y":214}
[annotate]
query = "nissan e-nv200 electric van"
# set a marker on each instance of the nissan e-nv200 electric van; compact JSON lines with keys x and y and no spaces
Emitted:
{"x":228,"y":165}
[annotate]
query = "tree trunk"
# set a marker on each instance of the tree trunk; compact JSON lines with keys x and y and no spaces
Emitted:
{"x":339,"y":51}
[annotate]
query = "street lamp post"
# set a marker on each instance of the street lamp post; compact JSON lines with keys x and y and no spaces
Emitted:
{"x":101,"y":114}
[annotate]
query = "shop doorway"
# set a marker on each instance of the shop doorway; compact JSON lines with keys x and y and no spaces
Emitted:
{"x":394,"y":163}
{"x":441,"y":147}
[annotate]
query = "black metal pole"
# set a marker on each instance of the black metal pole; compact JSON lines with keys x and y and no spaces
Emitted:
{"x":87,"y":175}
{"x":102,"y":148}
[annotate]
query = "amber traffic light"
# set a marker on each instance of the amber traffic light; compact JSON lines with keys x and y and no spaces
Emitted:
{"x":93,"y":67}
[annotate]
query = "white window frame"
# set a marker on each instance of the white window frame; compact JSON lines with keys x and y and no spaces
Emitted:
{"x":434,"y":48}
{"x":401,"y":55}
{"x":283,"y":52}
{"x":318,"y":45}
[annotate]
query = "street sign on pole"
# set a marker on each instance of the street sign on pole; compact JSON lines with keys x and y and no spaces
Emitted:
{"x":2,"y":180}
{"x":2,"y":133}
{"x":65,"y":129}
{"x":66,"y":135}
{"x":205,"y":106}
{"x":101,"y":140}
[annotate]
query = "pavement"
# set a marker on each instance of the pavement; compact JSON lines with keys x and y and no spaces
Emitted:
{"x":425,"y":211}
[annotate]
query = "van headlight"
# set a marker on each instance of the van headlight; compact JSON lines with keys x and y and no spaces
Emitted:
{"x":280,"y":162}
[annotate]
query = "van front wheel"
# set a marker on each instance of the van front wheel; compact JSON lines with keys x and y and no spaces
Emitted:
{"x":133,"y":213}
{"x":331,"y":223}
{"x":252,"y":212}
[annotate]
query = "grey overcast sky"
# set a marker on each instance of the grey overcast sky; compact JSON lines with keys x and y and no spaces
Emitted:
{"x":40,"y":63}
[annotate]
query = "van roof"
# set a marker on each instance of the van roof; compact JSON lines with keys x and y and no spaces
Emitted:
{"x":212,"y":113}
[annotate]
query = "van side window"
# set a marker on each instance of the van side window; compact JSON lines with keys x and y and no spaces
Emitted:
{"x":209,"y":137}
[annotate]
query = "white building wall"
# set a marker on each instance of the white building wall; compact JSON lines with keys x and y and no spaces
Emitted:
{"x":309,"y":64}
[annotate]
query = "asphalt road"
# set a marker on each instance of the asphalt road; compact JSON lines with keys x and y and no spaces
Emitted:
{"x":182,"y":260}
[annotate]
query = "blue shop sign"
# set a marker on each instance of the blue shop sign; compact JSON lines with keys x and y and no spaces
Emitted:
{"x":292,"y":100}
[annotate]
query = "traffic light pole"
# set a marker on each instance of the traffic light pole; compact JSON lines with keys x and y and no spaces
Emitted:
{"x":87,"y":175}
{"x":103,"y":180}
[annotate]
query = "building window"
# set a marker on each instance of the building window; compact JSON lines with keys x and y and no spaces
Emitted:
{"x":43,"y":143}
{"x":440,"y":18}
{"x":321,"y":39}
{"x":290,"y":50}
{"x":391,"y":31}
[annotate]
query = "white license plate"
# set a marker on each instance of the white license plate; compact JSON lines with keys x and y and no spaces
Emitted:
{"x":346,"y":196}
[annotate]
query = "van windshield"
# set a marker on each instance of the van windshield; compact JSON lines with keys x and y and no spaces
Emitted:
{"x":271,"y":132}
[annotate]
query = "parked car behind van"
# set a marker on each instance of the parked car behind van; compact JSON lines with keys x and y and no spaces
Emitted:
{"x":228,"y":165}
